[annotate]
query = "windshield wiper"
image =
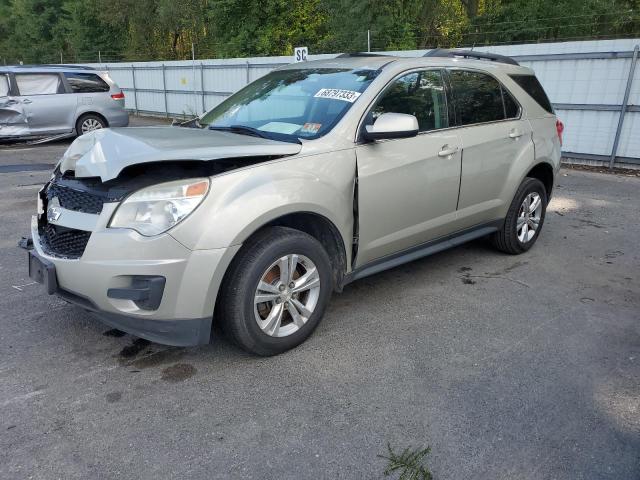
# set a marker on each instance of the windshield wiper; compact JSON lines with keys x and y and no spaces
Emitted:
{"x":242,"y":130}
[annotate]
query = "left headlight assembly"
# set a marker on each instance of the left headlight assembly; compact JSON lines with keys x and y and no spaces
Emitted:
{"x":155,"y":209}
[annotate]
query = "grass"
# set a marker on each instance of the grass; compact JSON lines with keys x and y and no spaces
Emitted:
{"x":408,"y":464}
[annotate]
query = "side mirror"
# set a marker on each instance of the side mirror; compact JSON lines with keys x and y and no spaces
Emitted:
{"x":392,"y":125}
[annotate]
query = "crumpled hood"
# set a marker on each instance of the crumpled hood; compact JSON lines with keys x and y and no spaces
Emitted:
{"x":105,"y":153}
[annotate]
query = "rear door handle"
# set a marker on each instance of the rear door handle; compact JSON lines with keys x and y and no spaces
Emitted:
{"x":446,"y":151}
{"x":26,"y":100}
{"x":515,"y":133}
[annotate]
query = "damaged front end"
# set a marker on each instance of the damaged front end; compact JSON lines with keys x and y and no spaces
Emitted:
{"x":108,"y":153}
{"x":106,"y":166}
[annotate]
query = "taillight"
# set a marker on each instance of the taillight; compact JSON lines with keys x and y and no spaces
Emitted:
{"x":118,"y":96}
{"x":559,"y":129}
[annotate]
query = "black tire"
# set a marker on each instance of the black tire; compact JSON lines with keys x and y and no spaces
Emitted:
{"x":506,"y":240}
{"x":89,"y":117}
{"x":236,"y":303}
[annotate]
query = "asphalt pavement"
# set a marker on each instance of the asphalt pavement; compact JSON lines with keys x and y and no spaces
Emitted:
{"x":508,"y":367}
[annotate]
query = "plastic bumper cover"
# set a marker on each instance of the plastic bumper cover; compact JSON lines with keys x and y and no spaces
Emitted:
{"x":114,"y":260}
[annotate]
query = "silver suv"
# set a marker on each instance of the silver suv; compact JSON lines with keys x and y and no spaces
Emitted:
{"x":314,"y":176}
{"x":47,"y":100}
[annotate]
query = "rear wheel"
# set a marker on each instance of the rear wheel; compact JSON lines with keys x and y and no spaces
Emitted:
{"x":524,"y":219}
{"x":89,"y":122}
{"x":276,"y":291}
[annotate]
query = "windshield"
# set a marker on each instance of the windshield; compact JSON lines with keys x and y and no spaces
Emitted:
{"x":291,"y":104}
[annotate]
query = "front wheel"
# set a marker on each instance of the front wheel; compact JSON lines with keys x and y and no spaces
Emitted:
{"x":524,"y":219}
{"x":276,"y":291}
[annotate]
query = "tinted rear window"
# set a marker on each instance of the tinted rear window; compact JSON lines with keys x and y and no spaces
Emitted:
{"x":86,"y":83}
{"x":531,"y":85}
{"x":477,"y":97}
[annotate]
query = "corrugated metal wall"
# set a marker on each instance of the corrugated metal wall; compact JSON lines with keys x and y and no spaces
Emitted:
{"x":586,"y":82}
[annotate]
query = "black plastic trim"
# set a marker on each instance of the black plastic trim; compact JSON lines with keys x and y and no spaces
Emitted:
{"x":145,"y":291}
{"x":179,"y":333}
{"x":176,"y":332}
{"x":423,"y":250}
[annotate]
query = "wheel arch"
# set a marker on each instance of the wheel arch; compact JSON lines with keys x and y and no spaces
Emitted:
{"x":313,"y":223}
{"x":90,"y":112}
{"x":317,"y":225}
{"x":543,"y":171}
{"x":323,"y":230}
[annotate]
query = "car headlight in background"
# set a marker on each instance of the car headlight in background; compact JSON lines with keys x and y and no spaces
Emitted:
{"x":153,"y":210}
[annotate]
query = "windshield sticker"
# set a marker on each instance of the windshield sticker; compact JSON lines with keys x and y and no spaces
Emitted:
{"x":280,"y":127}
{"x":311,"y":128}
{"x":337,"y":94}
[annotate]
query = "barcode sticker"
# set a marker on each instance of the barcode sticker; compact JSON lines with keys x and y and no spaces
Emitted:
{"x":337,"y":94}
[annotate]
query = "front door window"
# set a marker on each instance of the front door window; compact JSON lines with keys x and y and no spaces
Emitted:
{"x":420,"y":94}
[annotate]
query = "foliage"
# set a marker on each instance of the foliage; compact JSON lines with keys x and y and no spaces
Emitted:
{"x":408,"y":464}
{"x":86,"y":30}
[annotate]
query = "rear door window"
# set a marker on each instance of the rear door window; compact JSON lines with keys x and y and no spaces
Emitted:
{"x":420,"y":94}
{"x":38,"y":83}
{"x":531,"y":85}
{"x":86,"y":82}
{"x":477,"y":97}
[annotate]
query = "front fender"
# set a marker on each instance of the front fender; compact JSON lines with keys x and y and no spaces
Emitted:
{"x":242,"y":201}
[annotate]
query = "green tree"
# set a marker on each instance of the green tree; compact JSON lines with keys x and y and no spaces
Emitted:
{"x":35,"y":34}
{"x":394,"y":24}
{"x":90,"y":36}
{"x":267,"y":27}
{"x":37,"y":31}
{"x":519,"y":21}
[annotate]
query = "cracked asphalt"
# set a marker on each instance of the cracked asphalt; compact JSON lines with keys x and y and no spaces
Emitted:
{"x":509,"y":367}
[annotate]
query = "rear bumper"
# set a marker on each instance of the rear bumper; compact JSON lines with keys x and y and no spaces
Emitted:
{"x":118,"y":118}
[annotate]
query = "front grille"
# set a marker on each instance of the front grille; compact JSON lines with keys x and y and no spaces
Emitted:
{"x":76,"y":200}
{"x":63,"y":242}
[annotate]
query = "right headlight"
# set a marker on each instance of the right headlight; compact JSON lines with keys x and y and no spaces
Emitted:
{"x":155,"y":209}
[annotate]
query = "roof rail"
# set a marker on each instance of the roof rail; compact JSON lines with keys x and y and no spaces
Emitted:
{"x":494,"y":57}
{"x":361,"y":54}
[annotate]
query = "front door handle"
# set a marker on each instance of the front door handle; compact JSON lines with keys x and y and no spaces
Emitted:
{"x":515,"y":134}
{"x":447,"y":151}
{"x":26,"y":100}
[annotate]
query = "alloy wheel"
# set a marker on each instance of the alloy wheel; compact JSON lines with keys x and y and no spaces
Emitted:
{"x":90,"y":124}
{"x":286,"y":296}
{"x":529,"y":217}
